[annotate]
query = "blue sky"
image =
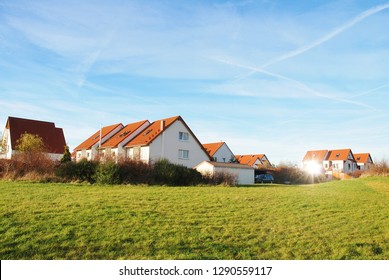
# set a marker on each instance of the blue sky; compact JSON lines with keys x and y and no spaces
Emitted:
{"x":273,"y":77}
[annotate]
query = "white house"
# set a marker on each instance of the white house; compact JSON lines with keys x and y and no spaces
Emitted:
{"x":364,"y":161}
{"x":340,"y":161}
{"x":169,"y":139}
{"x":219,"y":152}
{"x":89,"y":149}
{"x":114,"y":146}
{"x":244,"y":174}
{"x":53,"y":137}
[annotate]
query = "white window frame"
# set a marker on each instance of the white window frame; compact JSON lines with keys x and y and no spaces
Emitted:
{"x":183,"y":154}
{"x":183,"y":136}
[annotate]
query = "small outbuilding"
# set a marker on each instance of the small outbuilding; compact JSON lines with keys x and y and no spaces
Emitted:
{"x":244,"y":173}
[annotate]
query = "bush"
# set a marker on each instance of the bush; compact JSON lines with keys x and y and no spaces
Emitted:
{"x":220,"y":178}
{"x":135,"y":172}
{"x":28,"y":166}
{"x":166,"y":173}
{"x":381,"y":168}
{"x":108,"y":173}
{"x":82,"y":171}
{"x":291,"y":174}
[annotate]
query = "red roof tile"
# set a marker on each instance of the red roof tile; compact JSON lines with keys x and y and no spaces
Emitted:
{"x":249,"y":159}
{"x":92,"y":140}
{"x":212,"y":148}
{"x":152,"y":132}
{"x":115,"y":140}
{"x":318,"y":155}
{"x":338,"y":154}
{"x":362,"y":158}
{"x":52,"y":136}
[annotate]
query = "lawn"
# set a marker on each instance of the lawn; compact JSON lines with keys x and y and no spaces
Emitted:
{"x":336,"y":220}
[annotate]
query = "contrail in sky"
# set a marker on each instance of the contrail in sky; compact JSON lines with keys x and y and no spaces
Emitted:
{"x":329,"y":36}
{"x":298,"y":84}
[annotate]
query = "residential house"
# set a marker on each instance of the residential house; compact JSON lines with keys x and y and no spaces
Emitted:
{"x":170,"y":139}
{"x":364,"y":161}
{"x":114,"y":146}
{"x":340,"y":161}
{"x":89,"y":149}
{"x":313,"y":161}
{"x":52,"y":136}
{"x":219,"y":152}
{"x":257,"y":160}
{"x":243,"y":174}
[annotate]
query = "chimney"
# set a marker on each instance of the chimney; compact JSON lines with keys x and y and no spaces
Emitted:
{"x":162,"y":125}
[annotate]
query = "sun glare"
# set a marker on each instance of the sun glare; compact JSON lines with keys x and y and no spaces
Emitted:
{"x":314,"y":167}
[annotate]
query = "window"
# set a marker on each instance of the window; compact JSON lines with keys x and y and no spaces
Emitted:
{"x":183,"y":154}
{"x":183,"y":136}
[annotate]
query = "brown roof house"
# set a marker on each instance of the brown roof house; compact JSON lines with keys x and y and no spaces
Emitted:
{"x":170,"y":139}
{"x":364,"y":161}
{"x":219,"y":152}
{"x":52,"y":136}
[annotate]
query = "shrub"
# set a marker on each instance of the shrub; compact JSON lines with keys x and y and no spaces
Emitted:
{"x":220,"y":178}
{"x":380,"y":168}
{"x":168,"y":173}
{"x":291,"y":174}
{"x":82,"y":171}
{"x":135,"y":172}
{"x":108,"y":173}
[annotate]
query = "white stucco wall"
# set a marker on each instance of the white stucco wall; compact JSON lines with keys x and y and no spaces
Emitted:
{"x":224,"y":154}
{"x":168,"y":144}
{"x":244,"y":176}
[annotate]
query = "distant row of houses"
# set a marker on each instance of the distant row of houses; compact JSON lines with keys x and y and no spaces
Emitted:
{"x":146,"y":141}
{"x":171,"y":139}
{"x":336,"y":162}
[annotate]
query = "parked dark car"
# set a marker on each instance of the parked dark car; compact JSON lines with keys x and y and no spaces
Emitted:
{"x":264,"y":178}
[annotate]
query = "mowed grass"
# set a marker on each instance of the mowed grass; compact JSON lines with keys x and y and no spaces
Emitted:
{"x":336,"y":220}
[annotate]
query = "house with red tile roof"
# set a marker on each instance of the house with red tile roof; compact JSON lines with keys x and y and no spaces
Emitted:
{"x":89,"y":149}
{"x":340,"y":161}
{"x":257,"y":160}
{"x":219,"y":152}
{"x":364,"y":161}
{"x":170,"y":139}
{"x":114,"y":146}
{"x":52,"y":136}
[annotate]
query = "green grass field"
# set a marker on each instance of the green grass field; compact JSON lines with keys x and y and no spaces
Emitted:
{"x":336,"y":220}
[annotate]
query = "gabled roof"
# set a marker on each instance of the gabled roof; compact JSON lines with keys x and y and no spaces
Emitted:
{"x":115,"y":140}
{"x":318,"y":155}
{"x":363,"y":158}
{"x":151,"y":132}
{"x":52,"y":136}
{"x":212,"y":148}
{"x":95,"y":138}
{"x":249,"y":159}
{"x":338,"y":154}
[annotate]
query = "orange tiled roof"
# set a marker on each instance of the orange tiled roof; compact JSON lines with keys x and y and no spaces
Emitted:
{"x":338,"y":154}
{"x":317,"y":155}
{"x":92,"y":140}
{"x":52,"y":136}
{"x":362,"y":158}
{"x":151,"y":132}
{"x":115,"y":140}
{"x":249,"y":159}
{"x":212,"y":148}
